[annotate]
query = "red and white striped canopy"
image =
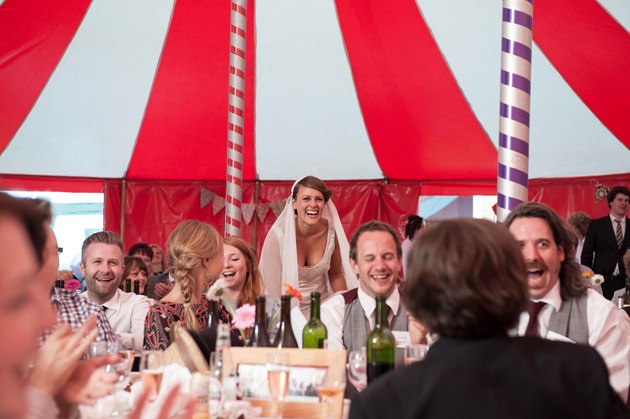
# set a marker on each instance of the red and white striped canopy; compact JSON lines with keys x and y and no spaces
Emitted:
{"x":344,"y":89}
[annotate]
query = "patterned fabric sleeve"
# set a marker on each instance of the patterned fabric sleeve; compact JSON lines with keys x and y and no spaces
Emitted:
{"x":157,"y":325}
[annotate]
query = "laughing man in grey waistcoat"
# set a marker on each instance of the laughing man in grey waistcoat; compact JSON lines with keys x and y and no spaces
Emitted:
{"x":375,"y":257}
{"x":571,"y":311}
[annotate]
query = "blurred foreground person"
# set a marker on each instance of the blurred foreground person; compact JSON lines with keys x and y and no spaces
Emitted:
{"x":467,"y":282}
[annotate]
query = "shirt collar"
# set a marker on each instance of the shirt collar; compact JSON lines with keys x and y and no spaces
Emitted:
{"x":113,"y":303}
{"x":613,"y":218}
{"x":553,"y":297}
{"x":369,"y":304}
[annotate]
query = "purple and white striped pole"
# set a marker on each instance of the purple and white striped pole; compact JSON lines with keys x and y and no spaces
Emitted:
{"x":516,"y":66}
{"x":236,"y":112}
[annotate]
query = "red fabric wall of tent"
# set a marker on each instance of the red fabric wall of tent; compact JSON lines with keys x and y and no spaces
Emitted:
{"x":154,"y":209}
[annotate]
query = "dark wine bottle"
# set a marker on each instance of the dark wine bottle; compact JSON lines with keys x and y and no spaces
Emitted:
{"x":626,"y":294}
{"x":128,"y":285}
{"x":213,"y":313}
{"x":136,"y":286}
{"x":381,"y":345}
{"x":314,"y":333}
{"x":285,"y":338}
{"x":259,"y":337}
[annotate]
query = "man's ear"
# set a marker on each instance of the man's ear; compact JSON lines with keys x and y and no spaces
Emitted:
{"x":82,"y":268}
{"x":354,"y":266}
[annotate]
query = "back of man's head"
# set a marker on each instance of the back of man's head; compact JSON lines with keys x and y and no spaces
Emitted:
{"x":466,"y":279}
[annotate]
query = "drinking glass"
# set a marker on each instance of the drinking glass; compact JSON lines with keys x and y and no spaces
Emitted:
{"x":278,"y":378}
{"x":150,"y":374}
{"x":415,"y":353}
{"x":357,"y":368}
{"x":334,"y":383}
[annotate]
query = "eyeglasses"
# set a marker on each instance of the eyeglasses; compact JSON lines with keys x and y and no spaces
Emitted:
{"x":59,"y":250}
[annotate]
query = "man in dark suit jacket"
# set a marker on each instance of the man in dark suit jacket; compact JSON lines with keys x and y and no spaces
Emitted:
{"x":601,"y":239}
{"x":467,"y":282}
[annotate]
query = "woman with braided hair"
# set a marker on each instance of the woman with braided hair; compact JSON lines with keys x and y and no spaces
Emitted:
{"x":195,"y":252}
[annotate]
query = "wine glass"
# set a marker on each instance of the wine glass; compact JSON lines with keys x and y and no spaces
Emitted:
{"x":357,"y":369}
{"x":278,"y":378}
{"x":151,"y":374}
{"x":333,"y":383}
{"x":415,"y":353}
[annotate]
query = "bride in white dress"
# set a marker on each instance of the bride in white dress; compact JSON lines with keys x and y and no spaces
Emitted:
{"x":306,"y":246}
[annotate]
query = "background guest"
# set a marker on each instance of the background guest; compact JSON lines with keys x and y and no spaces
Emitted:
{"x":243,"y":281}
{"x":195,"y":250}
{"x":606,"y":241}
{"x":135,"y":269}
{"x":158,"y":262}
{"x":467,"y":282}
{"x":306,"y":246}
{"x":578,"y":223}
{"x":413,"y":227}
{"x":143,"y":251}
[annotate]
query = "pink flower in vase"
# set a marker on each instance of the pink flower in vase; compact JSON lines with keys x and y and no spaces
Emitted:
{"x":72,"y":285}
{"x":244,"y":316}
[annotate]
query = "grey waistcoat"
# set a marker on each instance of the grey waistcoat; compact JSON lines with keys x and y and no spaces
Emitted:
{"x":354,"y":325}
{"x":571,"y":321}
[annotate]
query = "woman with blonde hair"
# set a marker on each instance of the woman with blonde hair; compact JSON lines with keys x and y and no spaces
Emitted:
{"x":243,"y":281}
{"x":195,"y":252}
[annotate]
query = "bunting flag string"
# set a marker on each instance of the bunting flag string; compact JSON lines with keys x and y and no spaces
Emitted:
{"x":218,"y":203}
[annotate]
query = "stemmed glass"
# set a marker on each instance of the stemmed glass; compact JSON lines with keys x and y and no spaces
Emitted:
{"x":334,"y":383}
{"x":415,"y":353}
{"x":151,"y":374}
{"x":357,"y":369}
{"x":118,"y":400}
{"x":278,"y":378}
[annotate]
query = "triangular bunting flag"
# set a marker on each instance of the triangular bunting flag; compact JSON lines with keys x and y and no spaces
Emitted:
{"x":205,"y":197}
{"x":262,"y":210}
{"x":277,"y":207}
{"x":217,"y":204}
{"x":247,"y":210}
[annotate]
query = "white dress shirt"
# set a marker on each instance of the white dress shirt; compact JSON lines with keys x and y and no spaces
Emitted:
{"x":608,"y":332}
{"x":333,"y":310}
{"x":622,"y":221}
{"x":126,"y":312}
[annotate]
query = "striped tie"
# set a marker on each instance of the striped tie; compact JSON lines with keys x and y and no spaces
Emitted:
{"x":618,"y":234}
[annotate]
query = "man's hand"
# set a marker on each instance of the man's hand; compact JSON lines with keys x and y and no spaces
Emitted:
{"x":56,"y":360}
{"x":64,"y":275}
{"x":417,"y":331}
{"x":89,"y":382}
{"x":161,"y":290}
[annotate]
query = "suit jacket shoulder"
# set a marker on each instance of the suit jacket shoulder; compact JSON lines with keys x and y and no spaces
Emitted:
{"x":499,"y":377}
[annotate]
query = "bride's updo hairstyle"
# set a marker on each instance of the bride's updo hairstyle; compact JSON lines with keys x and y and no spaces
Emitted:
{"x":313,"y":183}
{"x":189,"y":243}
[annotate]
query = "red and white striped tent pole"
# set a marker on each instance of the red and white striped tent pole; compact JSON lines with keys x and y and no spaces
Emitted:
{"x":236,"y":112}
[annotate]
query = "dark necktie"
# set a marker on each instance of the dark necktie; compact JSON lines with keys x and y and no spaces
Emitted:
{"x":533,"y":310}
{"x":618,"y":233}
{"x":104,"y":309}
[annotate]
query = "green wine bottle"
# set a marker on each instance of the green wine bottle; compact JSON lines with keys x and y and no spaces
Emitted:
{"x":285,"y":338}
{"x":136,"y":286}
{"x":381,"y":345}
{"x":128,"y":285}
{"x":314,"y":333}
